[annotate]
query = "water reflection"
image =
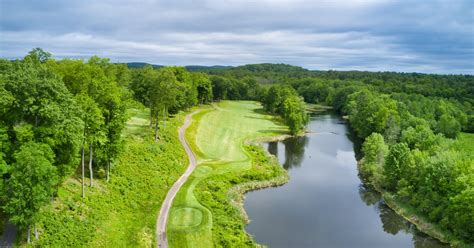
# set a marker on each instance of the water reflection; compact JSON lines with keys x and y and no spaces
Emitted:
{"x":325,"y":204}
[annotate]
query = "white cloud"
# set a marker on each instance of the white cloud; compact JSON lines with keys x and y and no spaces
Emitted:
{"x":338,"y":34}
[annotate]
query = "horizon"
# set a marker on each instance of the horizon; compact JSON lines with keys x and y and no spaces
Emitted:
{"x":362,"y":35}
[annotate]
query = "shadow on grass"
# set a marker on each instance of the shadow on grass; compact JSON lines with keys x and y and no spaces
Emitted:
{"x":260,"y":111}
{"x":257,"y":118}
{"x":273,"y":131}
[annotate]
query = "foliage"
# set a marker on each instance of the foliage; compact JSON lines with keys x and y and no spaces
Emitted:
{"x":31,"y":183}
{"x":123,"y":211}
{"x":294,"y":114}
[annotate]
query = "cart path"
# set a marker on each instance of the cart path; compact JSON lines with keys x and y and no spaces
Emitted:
{"x":162,"y":241}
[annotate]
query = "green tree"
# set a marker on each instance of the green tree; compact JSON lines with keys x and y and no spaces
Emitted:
{"x":31,"y":184}
{"x":38,"y":55}
{"x":421,"y":137}
{"x":397,"y":159}
{"x":204,"y":87}
{"x":448,"y":126}
{"x":294,"y":114}
{"x":220,"y":86}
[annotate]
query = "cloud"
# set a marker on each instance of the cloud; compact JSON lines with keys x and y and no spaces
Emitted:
{"x":363,"y":34}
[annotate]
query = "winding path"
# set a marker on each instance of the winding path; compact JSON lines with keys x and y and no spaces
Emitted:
{"x":162,"y":241}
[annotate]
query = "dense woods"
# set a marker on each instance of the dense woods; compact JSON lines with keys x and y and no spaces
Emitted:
{"x":56,"y":116}
{"x":59,"y":117}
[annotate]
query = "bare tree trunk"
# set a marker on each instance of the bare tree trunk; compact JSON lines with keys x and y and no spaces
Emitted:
{"x":164,"y":118}
{"x":156,"y":130}
{"x":151,"y":116}
{"x":36,"y":233}
{"x":82,"y":162}
{"x":28,"y":235}
{"x":91,"y":173}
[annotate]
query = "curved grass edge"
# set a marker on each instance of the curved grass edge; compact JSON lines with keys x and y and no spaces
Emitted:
{"x":236,"y":194}
{"x":226,"y":194}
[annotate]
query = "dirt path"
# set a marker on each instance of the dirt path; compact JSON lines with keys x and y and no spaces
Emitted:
{"x":162,"y":241}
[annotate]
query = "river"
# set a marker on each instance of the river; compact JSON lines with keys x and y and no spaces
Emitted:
{"x":325,"y":204}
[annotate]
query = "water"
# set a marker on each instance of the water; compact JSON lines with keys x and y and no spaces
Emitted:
{"x":325,"y":204}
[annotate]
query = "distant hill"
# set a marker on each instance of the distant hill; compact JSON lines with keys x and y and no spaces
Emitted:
{"x":207,"y":68}
{"x":141,"y":65}
{"x":189,"y":67}
{"x":268,"y":67}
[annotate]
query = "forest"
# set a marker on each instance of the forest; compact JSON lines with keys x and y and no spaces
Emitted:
{"x":61,"y":118}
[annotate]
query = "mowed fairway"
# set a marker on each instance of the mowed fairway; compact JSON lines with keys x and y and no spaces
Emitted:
{"x":216,"y":136}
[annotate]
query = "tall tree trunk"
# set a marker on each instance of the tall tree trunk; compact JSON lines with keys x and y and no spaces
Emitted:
{"x":164,"y":117}
{"x":28,"y":235}
{"x":151,"y":116}
{"x":91,"y":173}
{"x":82,"y":162}
{"x":36,"y":233}
{"x":156,"y":130}
{"x":108,"y":170}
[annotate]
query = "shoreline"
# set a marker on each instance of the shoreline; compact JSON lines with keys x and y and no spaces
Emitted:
{"x":421,"y":224}
{"x":236,"y":194}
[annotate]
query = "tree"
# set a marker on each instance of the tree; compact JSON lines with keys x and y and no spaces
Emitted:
{"x":375,"y":150}
{"x":373,"y":113}
{"x":38,"y":55}
{"x":272,"y":99}
{"x":42,"y":101}
{"x":93,"y":133}
{"x":448,"y":126}
{"x":31,"y":184}
{"x":219,"y":87}
{"x":294,"y":113}
{"x":421,"y":137}
{"x":399,"y":157}
{"x":204,"y":87}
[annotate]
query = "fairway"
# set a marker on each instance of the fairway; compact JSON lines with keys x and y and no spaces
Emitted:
{"x":217,"y":135}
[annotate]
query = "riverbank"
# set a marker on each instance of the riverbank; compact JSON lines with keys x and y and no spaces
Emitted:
{"x":411,"y":216}
{"x":207,"y":211}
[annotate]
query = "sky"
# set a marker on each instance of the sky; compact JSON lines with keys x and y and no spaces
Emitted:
{"x":429,"y":36}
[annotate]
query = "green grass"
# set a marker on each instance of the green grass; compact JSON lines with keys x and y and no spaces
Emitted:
{"x":121,"y":213}
{"x":217,"y":135}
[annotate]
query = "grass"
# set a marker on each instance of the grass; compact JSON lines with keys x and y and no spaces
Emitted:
{"x":202,"y":214}
{"x":122,"y":212}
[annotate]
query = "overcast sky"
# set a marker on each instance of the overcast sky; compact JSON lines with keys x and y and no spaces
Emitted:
{"x":376,"y":35}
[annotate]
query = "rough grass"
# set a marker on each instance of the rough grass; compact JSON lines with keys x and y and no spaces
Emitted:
{"x":217,"y":137}
{"x":121,"y":213}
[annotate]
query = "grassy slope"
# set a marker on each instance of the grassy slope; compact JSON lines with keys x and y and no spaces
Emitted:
{"x":217,"y":136}
{"x":121,"y":213}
